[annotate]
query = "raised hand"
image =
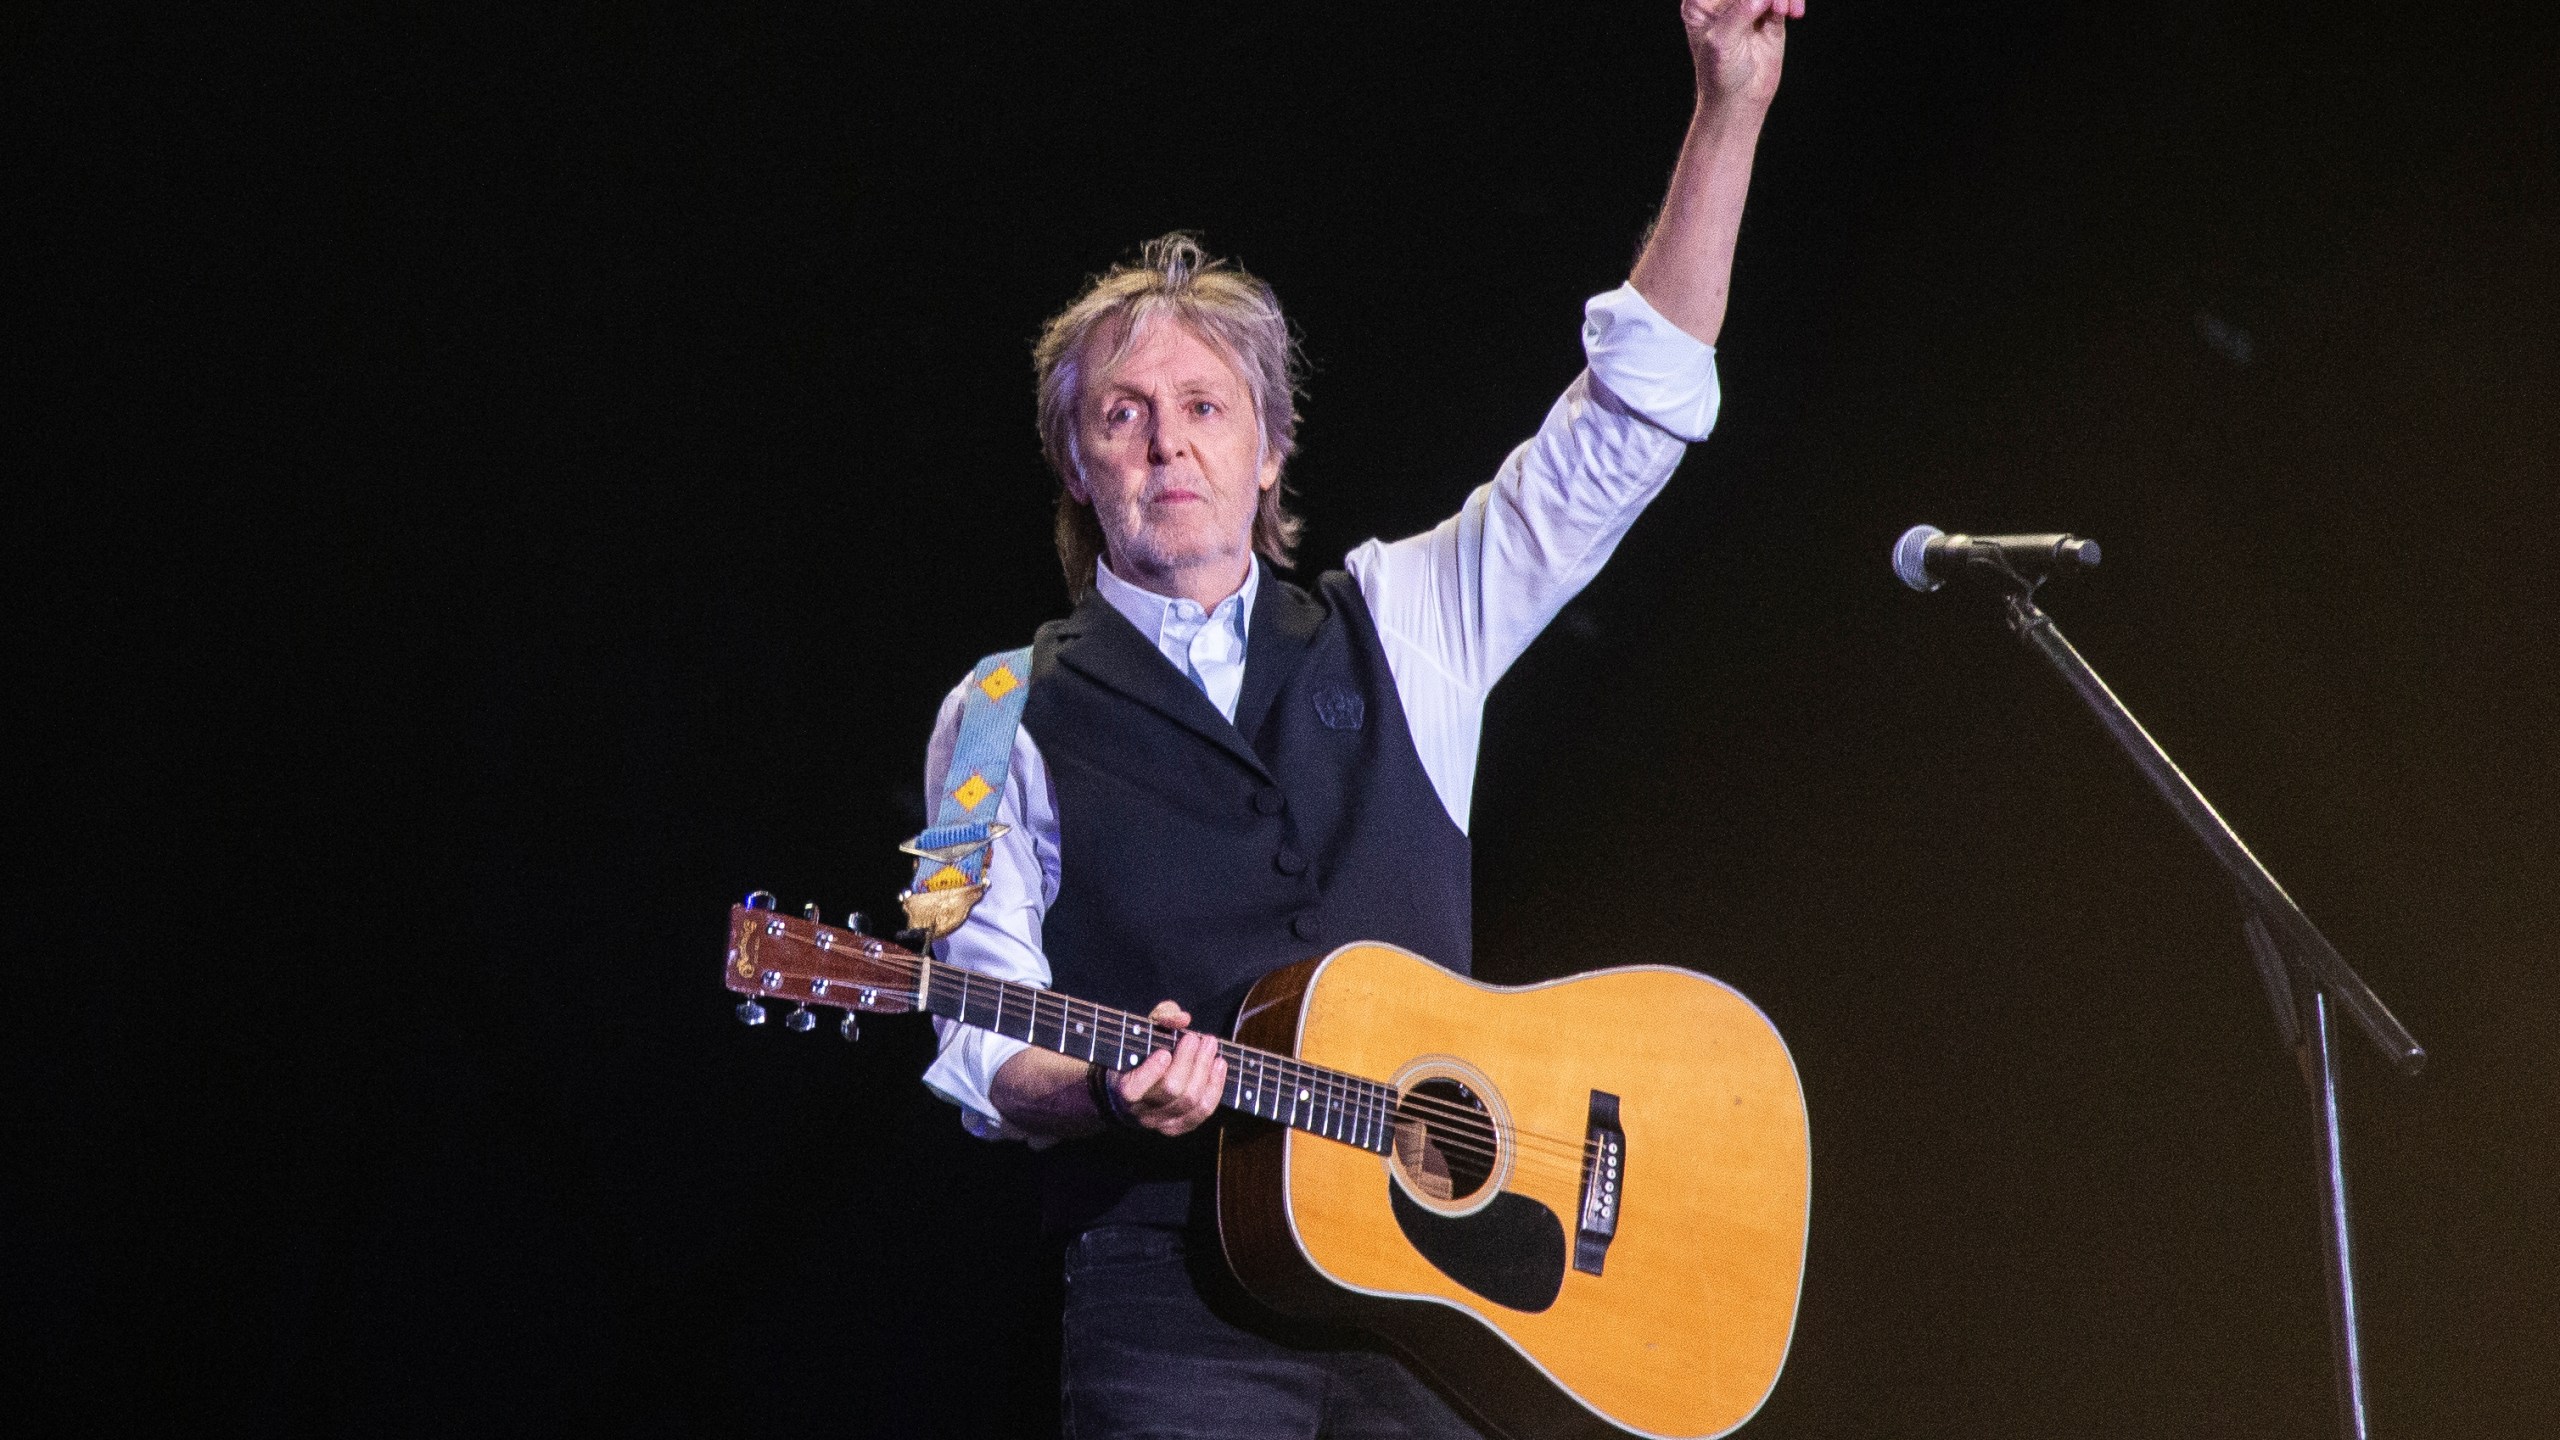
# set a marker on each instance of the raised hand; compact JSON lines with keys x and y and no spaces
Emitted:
{"x":1738,"y":46}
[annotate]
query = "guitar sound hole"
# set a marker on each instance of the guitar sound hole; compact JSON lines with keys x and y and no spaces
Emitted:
{"x":1444,"y":1139}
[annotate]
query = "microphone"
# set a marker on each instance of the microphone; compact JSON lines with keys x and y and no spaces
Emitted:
{"x":1927,"y":557}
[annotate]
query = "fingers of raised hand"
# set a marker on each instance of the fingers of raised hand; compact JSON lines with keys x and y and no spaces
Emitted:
{"x":1168,"y":1013}
{"x":1700,"y":15}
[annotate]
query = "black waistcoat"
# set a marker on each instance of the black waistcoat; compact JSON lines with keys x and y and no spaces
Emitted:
{"x":1196,"y":856}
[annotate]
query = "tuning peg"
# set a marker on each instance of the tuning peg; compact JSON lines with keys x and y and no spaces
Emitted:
{"x":850,"y":1027}
{"x":858,"y":923}
{"x":800,"y":1021}
{"x":809,"y":912}
{"x":760,"y":900}
{"x":750,"y":1013}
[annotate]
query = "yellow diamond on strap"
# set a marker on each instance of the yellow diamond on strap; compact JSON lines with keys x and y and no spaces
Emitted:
{"x":946,"y":878}
{"x":999,"y":683}
{"x":972,"y":791}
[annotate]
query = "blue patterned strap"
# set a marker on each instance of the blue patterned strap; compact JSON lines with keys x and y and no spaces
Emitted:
{"x":952,"y":855}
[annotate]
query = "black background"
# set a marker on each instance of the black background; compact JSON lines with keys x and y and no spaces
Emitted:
{"x":493,"y":486}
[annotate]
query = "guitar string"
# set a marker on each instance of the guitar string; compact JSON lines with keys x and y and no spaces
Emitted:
{"x":1458,"y":1119}
{"x":1333,"y":1083}
{"x":1453,"y":1135}
{"x":1549,"y":1161}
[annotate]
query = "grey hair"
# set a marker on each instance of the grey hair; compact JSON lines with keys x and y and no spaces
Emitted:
{"x":1216,"y":300}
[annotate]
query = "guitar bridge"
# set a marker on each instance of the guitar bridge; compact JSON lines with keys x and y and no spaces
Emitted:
{"x":1604,"y":1169}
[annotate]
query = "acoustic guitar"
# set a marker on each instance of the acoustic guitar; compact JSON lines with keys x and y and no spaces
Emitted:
{"x":1579,"y":1206}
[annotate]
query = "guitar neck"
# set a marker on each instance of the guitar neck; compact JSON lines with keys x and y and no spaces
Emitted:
{"x":1272,"y":1086}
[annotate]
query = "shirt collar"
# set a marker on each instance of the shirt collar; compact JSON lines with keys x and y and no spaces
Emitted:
{"x":1151,"y":612}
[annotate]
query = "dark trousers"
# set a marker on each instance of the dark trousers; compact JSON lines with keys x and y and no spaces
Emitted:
{"x":1161,"y":1344}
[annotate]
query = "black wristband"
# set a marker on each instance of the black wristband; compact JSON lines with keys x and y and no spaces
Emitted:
{"x":1107,"y":1100}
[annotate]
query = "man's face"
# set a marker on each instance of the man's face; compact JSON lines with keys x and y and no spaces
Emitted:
{"x":1171,"y":460}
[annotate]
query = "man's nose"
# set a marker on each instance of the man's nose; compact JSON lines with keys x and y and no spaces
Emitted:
{"x":1165,"y":440}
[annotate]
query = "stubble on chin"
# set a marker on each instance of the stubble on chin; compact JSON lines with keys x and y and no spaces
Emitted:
{"x":1169,"y":550}
{"x":1164,"y":555}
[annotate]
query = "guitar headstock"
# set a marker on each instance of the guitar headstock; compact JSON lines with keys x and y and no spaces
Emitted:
{"x":772,"y":955}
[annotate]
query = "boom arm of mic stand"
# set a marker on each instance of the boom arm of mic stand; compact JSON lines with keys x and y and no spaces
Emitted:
{"x":2292,"y":931}
{"x":2305,"y":977}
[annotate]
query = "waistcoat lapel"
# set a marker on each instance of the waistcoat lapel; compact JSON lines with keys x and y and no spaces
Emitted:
{"x":1285,"y":622}
{"x":1099,"y":643}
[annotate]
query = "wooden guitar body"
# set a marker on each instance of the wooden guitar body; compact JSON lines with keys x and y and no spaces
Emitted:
{"x":1479,"y":1264}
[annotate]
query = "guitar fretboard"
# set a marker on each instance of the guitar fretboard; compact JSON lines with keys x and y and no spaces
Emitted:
{"x":1305,"y":1097}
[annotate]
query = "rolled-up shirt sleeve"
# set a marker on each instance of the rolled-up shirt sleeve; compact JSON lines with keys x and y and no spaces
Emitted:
{"x":1654,"y":368}
{"x":1457,"y":604}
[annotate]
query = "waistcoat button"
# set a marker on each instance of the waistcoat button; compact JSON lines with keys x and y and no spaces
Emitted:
{"x":1306,"y":926}
{"x":1289,"y":862}
{"x":1267,"y":801}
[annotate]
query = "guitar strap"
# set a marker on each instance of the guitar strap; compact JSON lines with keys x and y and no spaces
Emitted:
{"x":952,"y":854}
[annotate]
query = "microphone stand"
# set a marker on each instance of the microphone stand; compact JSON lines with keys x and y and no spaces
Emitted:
{"x":2306,"y":979}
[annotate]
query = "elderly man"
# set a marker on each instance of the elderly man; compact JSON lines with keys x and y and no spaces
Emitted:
{"x":1217,"y":773}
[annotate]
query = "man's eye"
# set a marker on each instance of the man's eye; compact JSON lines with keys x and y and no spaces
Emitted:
{"x":1120,"y":414}
{"x":1204,"y":408}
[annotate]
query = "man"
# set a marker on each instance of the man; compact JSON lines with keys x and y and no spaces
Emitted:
{"x":1217,"y":773}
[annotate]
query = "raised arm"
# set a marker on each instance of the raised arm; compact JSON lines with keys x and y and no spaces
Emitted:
{"x":1687,"y":264}
{"x":1458,"y":603}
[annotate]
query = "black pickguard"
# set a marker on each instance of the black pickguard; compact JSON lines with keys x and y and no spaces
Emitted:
{"x":1511,"y":1252}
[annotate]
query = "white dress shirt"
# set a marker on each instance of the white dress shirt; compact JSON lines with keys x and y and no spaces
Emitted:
{"x":1454,"y":607}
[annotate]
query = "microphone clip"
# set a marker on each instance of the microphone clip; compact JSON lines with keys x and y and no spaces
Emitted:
{"x":1926,"y":558}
